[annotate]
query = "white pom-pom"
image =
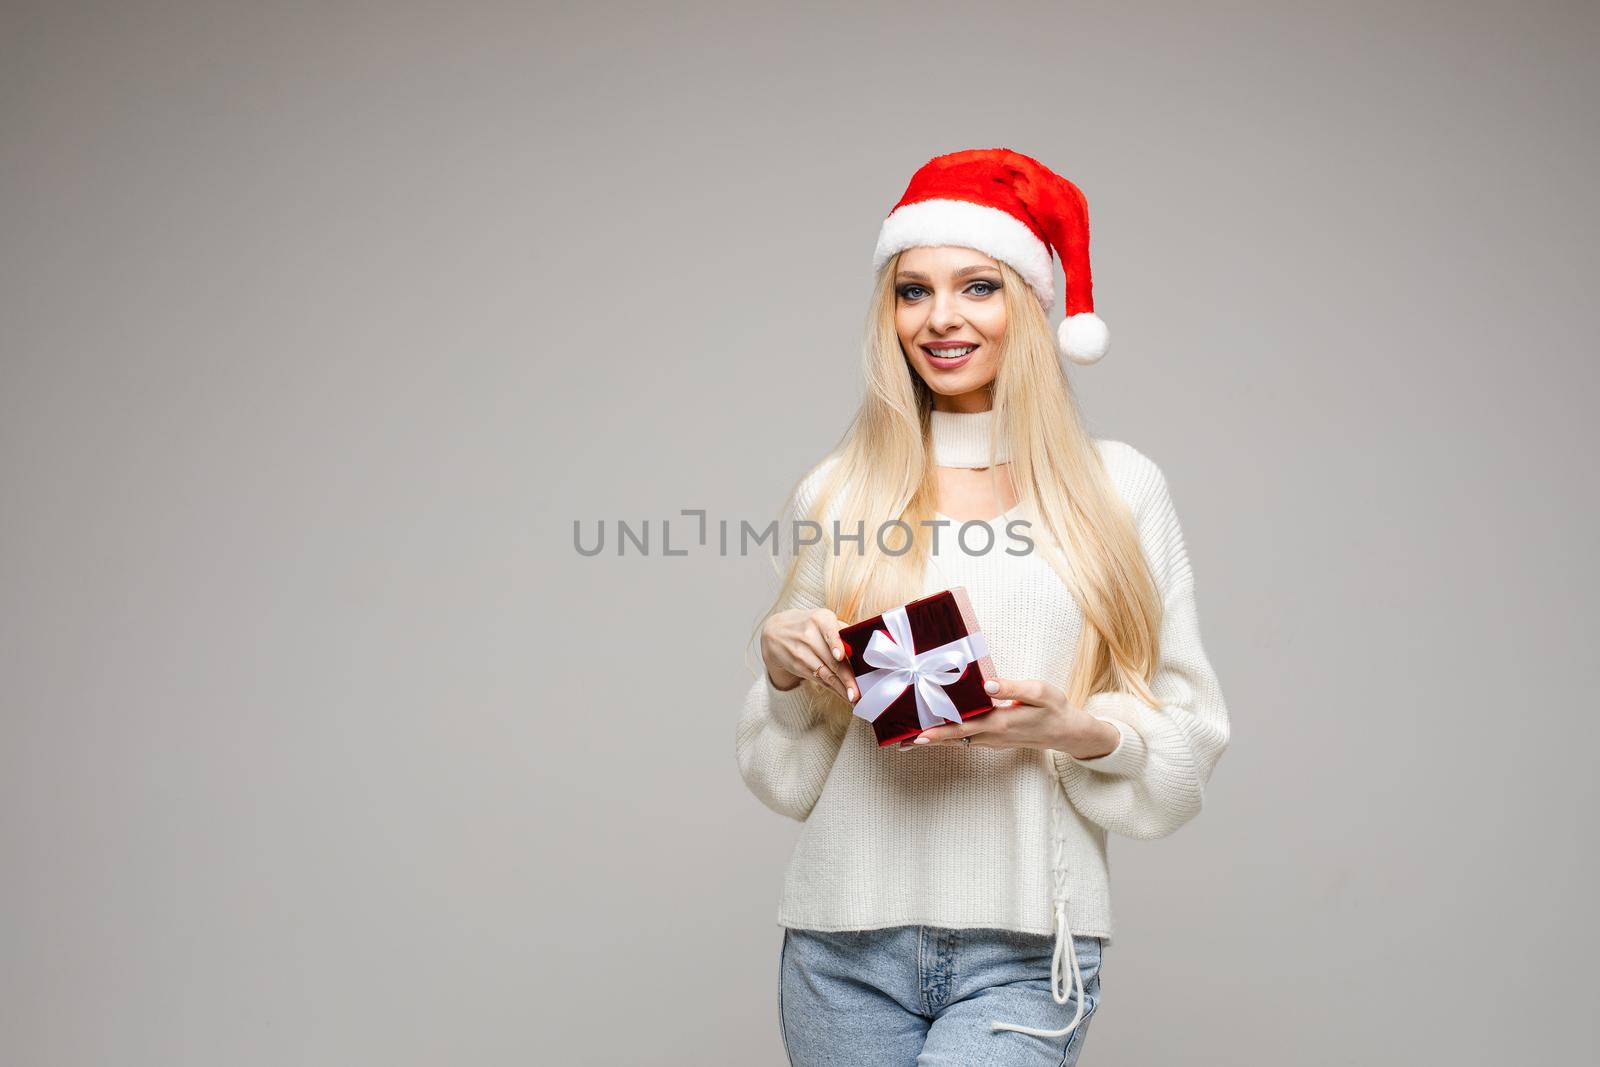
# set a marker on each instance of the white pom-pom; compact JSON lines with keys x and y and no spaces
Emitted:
{"x":1083,"y":337}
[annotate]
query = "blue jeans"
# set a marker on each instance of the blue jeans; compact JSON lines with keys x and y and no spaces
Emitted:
{"x":925,"y":995}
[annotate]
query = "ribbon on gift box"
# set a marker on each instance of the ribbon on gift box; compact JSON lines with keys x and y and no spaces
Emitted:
{"x":902,"y":667}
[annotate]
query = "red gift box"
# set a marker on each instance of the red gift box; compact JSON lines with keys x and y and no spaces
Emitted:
{"x":944,"y":639}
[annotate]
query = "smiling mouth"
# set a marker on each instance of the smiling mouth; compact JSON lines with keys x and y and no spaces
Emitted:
{"x":949,"y":357}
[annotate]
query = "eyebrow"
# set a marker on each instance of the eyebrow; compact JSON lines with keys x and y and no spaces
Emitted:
{"x":915,"y":275}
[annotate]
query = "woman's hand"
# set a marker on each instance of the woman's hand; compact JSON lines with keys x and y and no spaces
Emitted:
{"x":804,"y":642}
{"x":1040,"y":717}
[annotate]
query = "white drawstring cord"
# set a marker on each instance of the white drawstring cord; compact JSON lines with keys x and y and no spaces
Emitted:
{"x":1064,"y":947}
{"x":1064,"y":942}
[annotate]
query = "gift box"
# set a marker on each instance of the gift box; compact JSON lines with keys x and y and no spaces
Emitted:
{"x":919,"y":665}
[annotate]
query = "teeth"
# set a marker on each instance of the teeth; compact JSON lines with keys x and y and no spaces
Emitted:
{"x":953,"y":353}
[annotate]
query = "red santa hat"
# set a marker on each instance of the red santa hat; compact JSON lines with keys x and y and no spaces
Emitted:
{"x":1014,"y":208}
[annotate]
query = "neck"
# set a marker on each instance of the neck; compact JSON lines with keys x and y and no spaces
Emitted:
{"x":961,"y":439}
{"x":980,"y":399}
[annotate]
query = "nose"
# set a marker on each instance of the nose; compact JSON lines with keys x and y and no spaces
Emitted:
{"x":946,"y":315}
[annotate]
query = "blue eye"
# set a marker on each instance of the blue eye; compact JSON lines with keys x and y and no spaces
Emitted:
{"x":908,"y":292}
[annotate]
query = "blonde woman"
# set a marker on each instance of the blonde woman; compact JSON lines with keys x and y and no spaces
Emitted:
{"x":948,"y":900}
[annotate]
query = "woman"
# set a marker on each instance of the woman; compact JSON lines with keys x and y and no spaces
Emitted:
{"x":961,"y":879}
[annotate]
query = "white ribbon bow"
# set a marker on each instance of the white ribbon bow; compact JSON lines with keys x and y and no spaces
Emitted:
{"x":903,"y":667}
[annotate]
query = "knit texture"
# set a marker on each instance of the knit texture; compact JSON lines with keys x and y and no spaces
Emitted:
{"x":961,"y":439}
{"x":965,"y":836}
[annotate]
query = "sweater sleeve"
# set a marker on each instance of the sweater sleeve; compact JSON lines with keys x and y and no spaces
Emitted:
{"x":787,"y":740}
{"x":1154,"y":780}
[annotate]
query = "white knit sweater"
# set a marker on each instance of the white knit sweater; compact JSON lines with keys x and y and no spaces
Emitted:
{"x":976,"y":836}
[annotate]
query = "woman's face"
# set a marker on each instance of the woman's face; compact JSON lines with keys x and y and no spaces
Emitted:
{"x":951,"y":316}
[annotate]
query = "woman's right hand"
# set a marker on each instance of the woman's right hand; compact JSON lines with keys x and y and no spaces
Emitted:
{"x":804,"y":642}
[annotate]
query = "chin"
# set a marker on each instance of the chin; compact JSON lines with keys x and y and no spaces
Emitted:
{"x":955,"y":384}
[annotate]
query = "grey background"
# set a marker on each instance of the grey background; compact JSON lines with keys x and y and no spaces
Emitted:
{"x":321,"y":325}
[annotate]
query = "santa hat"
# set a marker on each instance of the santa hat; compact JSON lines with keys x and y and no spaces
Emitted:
{"x":1014,"y":208}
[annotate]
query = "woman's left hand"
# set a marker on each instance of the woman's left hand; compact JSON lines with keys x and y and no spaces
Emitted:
{"x":1040,"y":717}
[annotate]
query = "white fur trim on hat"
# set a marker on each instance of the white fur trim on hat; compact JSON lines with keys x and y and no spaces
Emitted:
{"x":1083,"y":337}
{"x":959,"y":222}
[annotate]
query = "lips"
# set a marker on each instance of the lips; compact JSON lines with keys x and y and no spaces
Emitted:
{"x":940,"y":361}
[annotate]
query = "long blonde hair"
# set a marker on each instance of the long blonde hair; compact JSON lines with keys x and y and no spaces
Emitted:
{"x":883,"y":469}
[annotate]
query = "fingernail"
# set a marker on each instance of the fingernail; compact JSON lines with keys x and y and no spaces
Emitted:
{"x":838,"y":653}
{"x":852,"y":692}
{"x":920,"y":741}
{"x":993,"y":687}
